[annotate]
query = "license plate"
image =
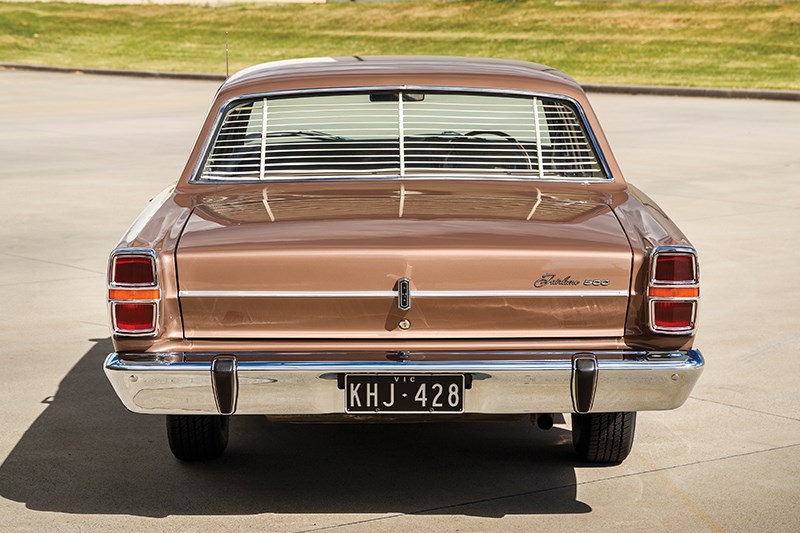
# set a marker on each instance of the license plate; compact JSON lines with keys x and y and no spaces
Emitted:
{"x":404,"y":393}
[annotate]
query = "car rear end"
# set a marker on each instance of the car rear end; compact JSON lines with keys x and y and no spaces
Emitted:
{"x":393,"y":253}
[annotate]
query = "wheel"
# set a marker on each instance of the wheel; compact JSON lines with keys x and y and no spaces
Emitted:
{"x":603,"y":437}
{"x":197,"y":437}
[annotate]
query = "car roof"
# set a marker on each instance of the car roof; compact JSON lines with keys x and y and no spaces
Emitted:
{"x":439,"y":71}
{"x":291,"y":77}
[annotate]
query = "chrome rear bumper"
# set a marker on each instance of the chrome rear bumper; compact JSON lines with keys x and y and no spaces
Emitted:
{"x":166,"y":384}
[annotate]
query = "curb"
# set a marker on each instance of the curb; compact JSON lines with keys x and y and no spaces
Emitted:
{"x":115,"y":72}
{"x":704,"y":92}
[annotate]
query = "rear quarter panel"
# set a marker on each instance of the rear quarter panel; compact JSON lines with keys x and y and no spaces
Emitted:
{"x":159,"y":227}
{"x":647,"y":226}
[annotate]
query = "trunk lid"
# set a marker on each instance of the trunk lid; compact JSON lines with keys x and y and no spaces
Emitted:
{"x":482,"y":260}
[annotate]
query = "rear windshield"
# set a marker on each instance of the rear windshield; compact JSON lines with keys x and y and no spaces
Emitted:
{"x":397,"y":133}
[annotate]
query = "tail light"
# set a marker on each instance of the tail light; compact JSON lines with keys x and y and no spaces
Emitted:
{"x":133,"y":292}
{"x":673,"y":290}
{"x":133,"y":270}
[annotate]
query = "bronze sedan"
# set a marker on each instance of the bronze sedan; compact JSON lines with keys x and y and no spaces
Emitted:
{"x":396,"y":238}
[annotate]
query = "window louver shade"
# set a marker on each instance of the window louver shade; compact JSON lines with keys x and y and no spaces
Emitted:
{"x":406,"y":134}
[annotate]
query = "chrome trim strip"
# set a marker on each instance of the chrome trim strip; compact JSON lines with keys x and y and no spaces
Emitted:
{"x":418,"y":177}
{"x":515,"y":294}
{"x":153,"y":383}
{"x":464,"y":366}
{"x":200,"y":162}
{"x":394,"y":294}
{"x":287,"y":294}
{"x":561,"y":359}
{"x":344,"y":354}
{"x":401,"y":135}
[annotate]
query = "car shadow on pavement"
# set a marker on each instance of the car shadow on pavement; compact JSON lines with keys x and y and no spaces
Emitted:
{"x":87,"y":454}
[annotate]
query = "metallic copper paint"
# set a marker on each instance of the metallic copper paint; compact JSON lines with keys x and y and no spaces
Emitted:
{"x":598,"y":229}
{"x":349,"y":236}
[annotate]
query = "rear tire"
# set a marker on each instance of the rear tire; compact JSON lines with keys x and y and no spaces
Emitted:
{"x":197,"y":437}
{"x":603,"y":437}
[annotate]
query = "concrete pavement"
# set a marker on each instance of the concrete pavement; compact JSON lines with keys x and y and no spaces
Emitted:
{"x":81,"y":155}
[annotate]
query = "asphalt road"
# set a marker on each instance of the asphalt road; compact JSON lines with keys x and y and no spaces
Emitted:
{"x":81,"y":155}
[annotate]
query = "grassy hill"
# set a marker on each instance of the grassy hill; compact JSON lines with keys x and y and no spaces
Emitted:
{"x":753,"y":44}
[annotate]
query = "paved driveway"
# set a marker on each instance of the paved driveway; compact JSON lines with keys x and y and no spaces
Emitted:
{"x":81,"y":155}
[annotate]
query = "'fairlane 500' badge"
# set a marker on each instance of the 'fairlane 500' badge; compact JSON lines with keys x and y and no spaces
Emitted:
{"x":550,"y":279}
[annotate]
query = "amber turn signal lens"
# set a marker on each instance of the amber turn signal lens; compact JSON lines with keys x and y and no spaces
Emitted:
{"x":138,"y":318}
{"x":133,"y":294}
{"x":673,"y":292}
{"x":133,"y":270}
{"x":675,"y":268}
{"x":673,"y":314}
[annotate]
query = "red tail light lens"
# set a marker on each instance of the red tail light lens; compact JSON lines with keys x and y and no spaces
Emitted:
{"x":673,"y":315}
{"x":672,"y":268}
{"x":673,"y":291}
{"x":135,"y":318}
{"x":133,"y":270}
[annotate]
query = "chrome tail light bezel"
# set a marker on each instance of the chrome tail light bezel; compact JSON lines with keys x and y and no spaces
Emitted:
{"x":694,"y":283}
{"x":134,"y":287}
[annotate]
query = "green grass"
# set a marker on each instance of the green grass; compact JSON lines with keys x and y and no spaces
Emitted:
{"x":754,"y":44}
